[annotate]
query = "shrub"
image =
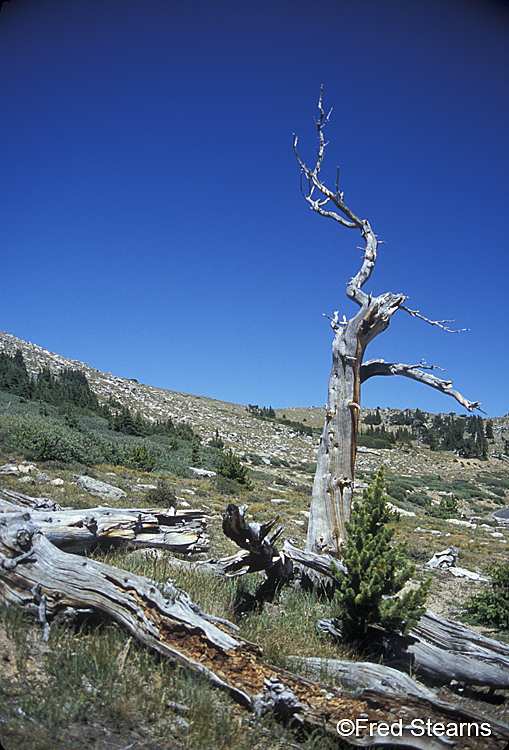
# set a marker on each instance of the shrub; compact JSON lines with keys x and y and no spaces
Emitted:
{"x":448,"y":508}
{"x":44,"y":439}
{"x":140,"y":458}
{"x":162,"y":496}
{"x":227,"y":486}
{"x":491,"y":607}
{"x":231,"y":468}
{"x":420,"y":498}
{"x":377,"y":571}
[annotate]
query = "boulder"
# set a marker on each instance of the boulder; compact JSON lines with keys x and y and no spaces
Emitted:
{"x":100,"y":489}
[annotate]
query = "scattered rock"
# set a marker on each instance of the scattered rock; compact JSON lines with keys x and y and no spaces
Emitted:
{"x":100,"y":489}
{"x":58,"y":482}
{"x":27,"y":480}
{"x":9,"y":469}
{"x":444,"y":559}
{"x":27,"y":468}
{"x":202,"y":472}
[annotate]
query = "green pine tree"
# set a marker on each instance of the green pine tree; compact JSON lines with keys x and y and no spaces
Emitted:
{"x":377,"y":571}
{"x":232,"y":468}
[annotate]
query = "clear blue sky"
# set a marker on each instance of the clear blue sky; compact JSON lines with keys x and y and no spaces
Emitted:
{"x":151,"y":220}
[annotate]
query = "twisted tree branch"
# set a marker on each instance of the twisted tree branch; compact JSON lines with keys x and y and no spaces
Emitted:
{"x":380,"y":367}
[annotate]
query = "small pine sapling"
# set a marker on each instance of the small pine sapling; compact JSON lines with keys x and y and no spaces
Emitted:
{"x":232,"y":468}
{"x":491,"y":606}
{"x":377,"y":571}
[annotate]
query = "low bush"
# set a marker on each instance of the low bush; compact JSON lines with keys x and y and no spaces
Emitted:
{"x":231,"y":467}
{"x":448,"y":508}
{"x":491,"y":606}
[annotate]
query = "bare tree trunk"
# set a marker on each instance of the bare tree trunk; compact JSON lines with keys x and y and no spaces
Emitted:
{"x":334,"y":479}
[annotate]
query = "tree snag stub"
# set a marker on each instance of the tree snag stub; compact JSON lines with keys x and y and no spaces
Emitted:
{"x":334,"y":478}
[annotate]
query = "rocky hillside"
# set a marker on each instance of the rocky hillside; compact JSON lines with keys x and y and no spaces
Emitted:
{"x":270,"y":442}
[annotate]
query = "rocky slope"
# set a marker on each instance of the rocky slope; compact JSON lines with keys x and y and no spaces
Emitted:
{"x":247,"y":435}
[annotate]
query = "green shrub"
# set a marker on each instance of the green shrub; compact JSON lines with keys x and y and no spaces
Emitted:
{"x":448,"y":508}
{"x":45,"y":439}
{"x":420,"y":498}
{"x":377,"y":571}
{"x":162,"y":496}
{"x":232,"y":468}
{"x":491,"y":606}
{"x":140,"y":458}
{"x":227,"y":486}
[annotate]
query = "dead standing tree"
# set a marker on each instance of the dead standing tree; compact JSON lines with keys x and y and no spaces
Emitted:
{"x":334,"y":478}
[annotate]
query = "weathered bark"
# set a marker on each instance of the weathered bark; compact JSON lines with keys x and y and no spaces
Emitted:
{"x":439,"y":651}
{"x":334,"y":478}
{"x":13,"y":501}
{"x":356,"y":676}
{"x":39,"y":576}
{"x":79,"y":530}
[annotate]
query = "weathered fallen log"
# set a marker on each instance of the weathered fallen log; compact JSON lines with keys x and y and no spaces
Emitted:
{"x":439,"y":651}
{"x":357,"y":676}
{"x":14,"y":501}
{"x":43,"y":578}
{"x":78,"y":530}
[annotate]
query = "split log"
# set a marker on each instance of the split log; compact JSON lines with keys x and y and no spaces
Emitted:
{"x":36,"y":574}
{"x":79,"y":530}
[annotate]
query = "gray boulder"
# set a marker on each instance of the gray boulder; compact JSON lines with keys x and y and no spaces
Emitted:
{"x":100,"y":489}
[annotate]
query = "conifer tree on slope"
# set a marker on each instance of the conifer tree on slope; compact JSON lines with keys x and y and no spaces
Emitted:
{"x":377,"y":571}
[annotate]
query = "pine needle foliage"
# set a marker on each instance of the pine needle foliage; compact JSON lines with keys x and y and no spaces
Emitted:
{"x":491,"y":606}
{"x":377,"y":570}
{"x":232,"y":468}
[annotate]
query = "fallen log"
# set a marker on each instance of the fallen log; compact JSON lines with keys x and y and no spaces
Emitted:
{"x":357,"y":676}
{"x":16,"y":501}
{"x":39,"y":576}
{"x":438,"y":651}
{"x":79,"y":530}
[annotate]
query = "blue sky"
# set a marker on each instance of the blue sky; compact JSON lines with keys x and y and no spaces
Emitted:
{"x":152,"y":221}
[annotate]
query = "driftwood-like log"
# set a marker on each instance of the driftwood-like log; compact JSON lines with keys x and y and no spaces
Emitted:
{"x":79,"y":530}
{"x":439,"y":651}
{"x":258,"y":542}
{"x":36,"y":574}
{"x":357,"y":676}
{"x":14,"y":501}
{"x":260,"y":553}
